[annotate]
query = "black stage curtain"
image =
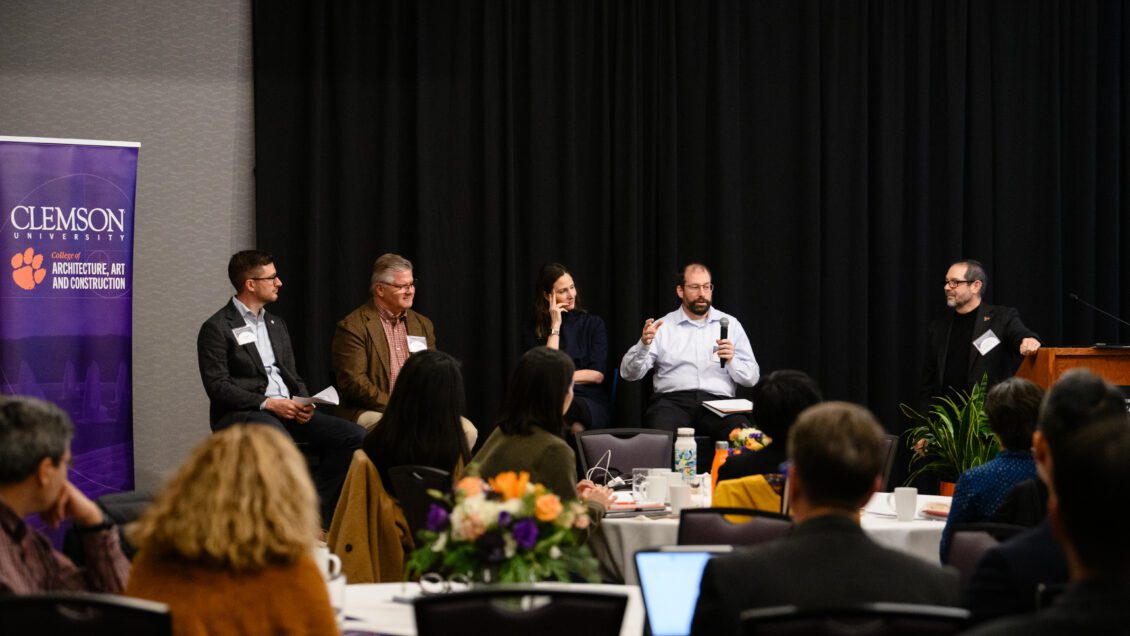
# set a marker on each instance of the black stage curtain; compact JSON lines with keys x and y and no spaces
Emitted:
{"x":826,"y":159}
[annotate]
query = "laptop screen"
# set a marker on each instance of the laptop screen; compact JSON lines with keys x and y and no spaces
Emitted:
{"x":669,"y":580}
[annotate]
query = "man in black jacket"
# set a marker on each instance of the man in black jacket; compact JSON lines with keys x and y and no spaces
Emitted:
{"x":837,"y":457}
{"x":973,"y":339}
{"x":248,"y":369}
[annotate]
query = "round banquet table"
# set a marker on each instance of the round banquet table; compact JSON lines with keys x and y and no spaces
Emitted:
{"x":920,"y":537}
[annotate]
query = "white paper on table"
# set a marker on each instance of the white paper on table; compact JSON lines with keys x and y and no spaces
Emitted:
{"x":326,"y":396}
{"x":986,"y":342}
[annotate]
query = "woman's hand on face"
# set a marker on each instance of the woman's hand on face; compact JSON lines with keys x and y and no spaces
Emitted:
{"x":555,"y":311}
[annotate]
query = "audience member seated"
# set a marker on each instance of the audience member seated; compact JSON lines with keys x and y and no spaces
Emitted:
{"x":528,"y":434}
{"x":560,"y":322}
{"x":228,"y":542}
{"x":1011,"y":408}
{"x":836,"y":454}
{"x":777,"y":400}
{"x":421,"y":425}
{"x":1090,"y":523}
{"x":35,"y":453}
{"x":1008,"y":576}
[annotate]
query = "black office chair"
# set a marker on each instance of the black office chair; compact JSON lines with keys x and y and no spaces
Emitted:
{"x":970,"y":542}
{"x":869,"y":619}
{"x":628,"y":447}
{"x":709,"y":526}
{"x":83,"y":614}
{"x":410,"y":486}
{"x":521,"y":610}
{"x":122,"y":508}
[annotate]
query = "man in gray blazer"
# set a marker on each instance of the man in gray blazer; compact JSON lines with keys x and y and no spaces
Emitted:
{"x":248,"y":369}
{"x":827,"y":561}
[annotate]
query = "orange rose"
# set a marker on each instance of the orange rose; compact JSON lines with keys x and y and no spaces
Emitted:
{"x":470,"y":486}
{"x":510,"y":485}
{"x":547,"y":507}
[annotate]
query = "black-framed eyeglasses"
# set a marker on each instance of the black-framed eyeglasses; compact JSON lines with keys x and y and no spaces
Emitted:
{"x":275,"y":277}
{"x":955,"y":283}
{"x":698,"y":288}
{"x":402,"y":287}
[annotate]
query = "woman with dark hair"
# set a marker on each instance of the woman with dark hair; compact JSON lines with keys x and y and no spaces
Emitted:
{"x":560,"y":322}
{"x":527,"y":437}
{"x":422,"y":425}
{"x":778,"y":398}
{"x":1011,"y":408}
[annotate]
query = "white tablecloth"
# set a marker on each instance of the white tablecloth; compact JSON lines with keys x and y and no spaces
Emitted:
{"x":919,"y":537}
{"x":369,"y":607}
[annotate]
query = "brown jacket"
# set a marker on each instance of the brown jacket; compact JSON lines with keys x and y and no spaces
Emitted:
{"x":361,"y":359}
{"x":369,"y":532}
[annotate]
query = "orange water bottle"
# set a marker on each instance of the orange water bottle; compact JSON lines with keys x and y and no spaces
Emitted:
{"x":721,"y":452}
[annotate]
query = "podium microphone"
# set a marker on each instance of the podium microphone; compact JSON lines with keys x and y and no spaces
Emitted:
{"x":1075,"y":297}
{"x":724,"y":333}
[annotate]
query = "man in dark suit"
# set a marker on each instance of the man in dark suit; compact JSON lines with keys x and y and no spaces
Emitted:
{"x":1008,"y":576}
{"x":248,"y":369}
{"x":837,"y":456}
{"x":973,"y":339}
{"x":1090,"y":523}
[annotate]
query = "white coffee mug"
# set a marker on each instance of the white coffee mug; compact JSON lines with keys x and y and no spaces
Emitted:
{"x":680,"y":497}
{"x":328,"y":563}
{"x":904,"y":501}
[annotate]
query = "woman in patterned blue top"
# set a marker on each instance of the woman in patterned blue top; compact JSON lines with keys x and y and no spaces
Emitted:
{"x":1011,"y":407}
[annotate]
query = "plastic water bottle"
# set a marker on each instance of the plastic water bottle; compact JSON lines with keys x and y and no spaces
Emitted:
{"x":686,"y":453}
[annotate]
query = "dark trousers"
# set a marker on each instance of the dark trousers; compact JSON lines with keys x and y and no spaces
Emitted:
{"x":677,"y":409}
{"x":331,"y":439}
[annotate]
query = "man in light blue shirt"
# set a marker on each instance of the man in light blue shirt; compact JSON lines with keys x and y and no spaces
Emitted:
{"x":687,"y":351}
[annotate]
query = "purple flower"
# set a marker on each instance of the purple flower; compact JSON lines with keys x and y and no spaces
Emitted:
{"x":504,"y":519}
{"x":525,"y":533}
{"x":437,"y":518}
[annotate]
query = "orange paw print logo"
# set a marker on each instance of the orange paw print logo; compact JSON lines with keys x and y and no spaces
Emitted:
{"x":28,"y":269}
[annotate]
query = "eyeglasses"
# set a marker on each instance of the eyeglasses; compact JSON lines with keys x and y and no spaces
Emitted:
{"x":402,"y":287}
{"x":955,"y":283}
{"x":698,"y":288}
{"x":275,"y":277}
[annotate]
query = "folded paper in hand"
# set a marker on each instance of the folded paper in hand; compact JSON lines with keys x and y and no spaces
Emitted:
{"x":723,"y":408}
{"x":327,"y":396}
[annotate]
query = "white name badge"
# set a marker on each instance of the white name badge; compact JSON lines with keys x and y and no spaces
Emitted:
{"x":244,"y":335}
{"x":417,"y":344}
{"x":987,"y":342}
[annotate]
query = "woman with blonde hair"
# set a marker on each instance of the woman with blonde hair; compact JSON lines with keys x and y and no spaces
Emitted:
{"x":228,"y":543}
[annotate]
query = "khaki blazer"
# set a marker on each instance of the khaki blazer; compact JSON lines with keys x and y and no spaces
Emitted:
{"x":361,"y":359}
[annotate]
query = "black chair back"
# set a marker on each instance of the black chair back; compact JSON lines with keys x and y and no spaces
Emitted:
{"x":83,"y":614}
{"x":122,"y":508}
{"x":709,"y":526}
{"x":629,"y":447}
{"x":970,"y":542}
{"x":521,"y":610}
{"x":410,"y":486}
{"x":869,"y":619}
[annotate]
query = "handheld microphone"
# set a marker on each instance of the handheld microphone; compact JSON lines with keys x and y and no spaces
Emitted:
{"x":1076,"y":298}
{"x":725,"y":333}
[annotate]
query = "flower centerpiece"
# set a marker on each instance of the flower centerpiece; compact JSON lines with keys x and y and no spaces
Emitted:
{"x":505,"y":530}
{"x":952,"y":436}
{"x":748,"y":439}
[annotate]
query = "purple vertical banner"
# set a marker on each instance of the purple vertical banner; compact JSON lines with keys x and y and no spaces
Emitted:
{"x":66,"y":249}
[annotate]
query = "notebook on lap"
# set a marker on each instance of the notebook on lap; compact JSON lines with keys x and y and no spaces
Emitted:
{"x":669,"y":581}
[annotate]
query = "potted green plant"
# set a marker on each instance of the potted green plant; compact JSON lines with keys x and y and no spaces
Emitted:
{"x":952,"y":436}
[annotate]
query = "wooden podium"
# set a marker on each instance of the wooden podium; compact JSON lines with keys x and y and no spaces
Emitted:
{"x":1113,"y":365}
